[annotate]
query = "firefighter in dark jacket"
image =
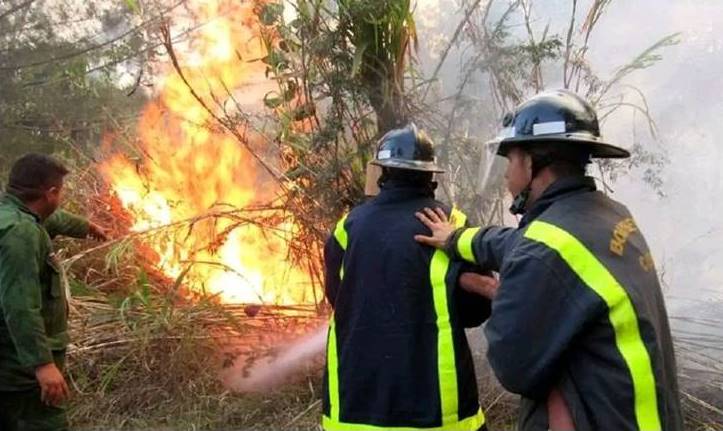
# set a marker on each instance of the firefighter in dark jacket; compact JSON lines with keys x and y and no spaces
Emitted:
{"x":579,"y":306}
{"x":33,"y":302}
{"x":397,"y":353}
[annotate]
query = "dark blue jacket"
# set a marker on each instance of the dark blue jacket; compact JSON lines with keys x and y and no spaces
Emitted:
{"x":397,"y":350}
{"x":579,"y":307}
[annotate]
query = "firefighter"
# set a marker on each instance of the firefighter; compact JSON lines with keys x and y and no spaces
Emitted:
{"x":33,"y":301}
{"x":397,"y":353}
{"x":579,"y":306}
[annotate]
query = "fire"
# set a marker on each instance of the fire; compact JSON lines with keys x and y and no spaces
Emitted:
{"x":187,"y":170}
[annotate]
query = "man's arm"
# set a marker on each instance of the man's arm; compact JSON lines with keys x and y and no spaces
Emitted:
{"x":333,"y":256}
{"x":483,"y":247}
{"x":473,"y":306}
{"x":64,"y":223}
{"x":334,"y":260}
{"x":21,"y":294}
{"x":536,"y":314}
{"x":21,"y":302}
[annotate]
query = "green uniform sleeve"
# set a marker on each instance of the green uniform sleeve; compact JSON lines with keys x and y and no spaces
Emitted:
{"x":21,"y":294}
{"x":66,"y":224}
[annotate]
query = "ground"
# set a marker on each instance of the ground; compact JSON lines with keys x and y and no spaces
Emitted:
{"x":171,"y":385}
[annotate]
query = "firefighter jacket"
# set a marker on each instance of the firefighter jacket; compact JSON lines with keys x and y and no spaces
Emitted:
{"x":397,"y":353}
{"x":33,"y":303}
{"x":579,"y":307}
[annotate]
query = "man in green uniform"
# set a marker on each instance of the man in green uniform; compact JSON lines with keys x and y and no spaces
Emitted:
{"x":33,"y":300}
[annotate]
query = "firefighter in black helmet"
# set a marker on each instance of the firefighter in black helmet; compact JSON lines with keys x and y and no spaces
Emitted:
{"x":579,"y":306}
{"x":397,"y":353}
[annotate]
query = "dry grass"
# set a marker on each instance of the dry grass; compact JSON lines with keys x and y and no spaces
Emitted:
{"x":154,"y":365}
{"x":147,"y":363}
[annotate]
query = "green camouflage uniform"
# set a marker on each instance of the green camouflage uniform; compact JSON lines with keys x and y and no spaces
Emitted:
{"x":33,"y":312}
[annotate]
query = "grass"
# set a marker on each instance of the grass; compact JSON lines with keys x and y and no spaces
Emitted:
{"x":153,"y":364}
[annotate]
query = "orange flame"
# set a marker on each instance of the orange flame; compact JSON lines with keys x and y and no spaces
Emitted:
{"x":187,"y":169}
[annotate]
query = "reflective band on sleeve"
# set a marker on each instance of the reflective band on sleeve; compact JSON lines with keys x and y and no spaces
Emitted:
{"x":464,"y":244}
{"x":342,"y":238}
{"x":621,"y":314}
{"x":332,"y":354}
{"x":340,"y":233}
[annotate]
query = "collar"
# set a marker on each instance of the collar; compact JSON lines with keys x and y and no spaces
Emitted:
{"x":395,"y":193}
{"x":560,"y":189}
{"x":14,"y":201}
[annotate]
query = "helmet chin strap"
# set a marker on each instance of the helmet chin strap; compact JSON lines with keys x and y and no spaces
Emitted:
{"x":520,"y":201}
{"x":519,"y":204}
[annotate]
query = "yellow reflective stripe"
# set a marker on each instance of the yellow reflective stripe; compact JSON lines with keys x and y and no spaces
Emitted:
{"x":340,"y":233}
{"x":332,"y":370}
{"x":446,"y":366}
{"x":332,"y":354}
{"x":342,"y":238}
{"x":472,"y":423}
{"x":457,"y":217}
{"x":621,"y":314}
{"x":464,"y":244}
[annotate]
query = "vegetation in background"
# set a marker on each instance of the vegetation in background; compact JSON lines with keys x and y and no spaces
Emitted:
{"x":145,"y":356}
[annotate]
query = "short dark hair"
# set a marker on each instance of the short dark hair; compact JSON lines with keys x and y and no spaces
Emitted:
{"x":407,"y":177}
{"x":33,"y":174}
{"x":562,"y":159}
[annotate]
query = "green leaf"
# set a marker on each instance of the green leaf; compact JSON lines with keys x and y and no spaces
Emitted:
{"x":272,"y":101}
{"x":133,"y":6}
{"x":304,"y":111}
{"x":271,"y":13}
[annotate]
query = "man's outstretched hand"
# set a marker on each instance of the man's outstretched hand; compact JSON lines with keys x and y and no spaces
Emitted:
{"x":436,"y":221}
{"x":97,"y":233}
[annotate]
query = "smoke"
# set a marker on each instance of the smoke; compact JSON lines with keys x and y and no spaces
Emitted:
{"x":684,"y":91}
{"x":273,"y":372}
{"x":685,"y":96}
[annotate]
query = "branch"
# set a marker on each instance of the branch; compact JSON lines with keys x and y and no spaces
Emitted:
{"x":457,"y":32}
{"x":88,"y":49}
{"x":12,"y":10}
{"x":568,"y":47}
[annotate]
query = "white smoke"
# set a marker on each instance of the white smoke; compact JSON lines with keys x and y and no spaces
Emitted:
{"x":685,"y":95}
{"x":273,"y":372}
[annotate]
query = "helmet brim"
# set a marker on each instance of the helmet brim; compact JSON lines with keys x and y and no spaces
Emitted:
{"x":596,"y":148}
{"x":411,"y":165}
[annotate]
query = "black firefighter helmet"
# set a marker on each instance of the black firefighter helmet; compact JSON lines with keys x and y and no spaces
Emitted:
{"x":556,"y":117}
{"x":406,"y":148}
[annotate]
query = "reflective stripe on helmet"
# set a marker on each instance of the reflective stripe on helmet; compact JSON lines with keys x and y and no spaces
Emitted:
{"x":551,"y":127}
{"x":621,"y":314}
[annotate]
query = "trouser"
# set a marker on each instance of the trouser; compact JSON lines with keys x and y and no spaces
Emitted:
{"x":24,"y":411}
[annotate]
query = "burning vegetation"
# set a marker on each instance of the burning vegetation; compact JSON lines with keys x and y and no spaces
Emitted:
{"x":251,"y":140}
{"x":211,"y":213}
